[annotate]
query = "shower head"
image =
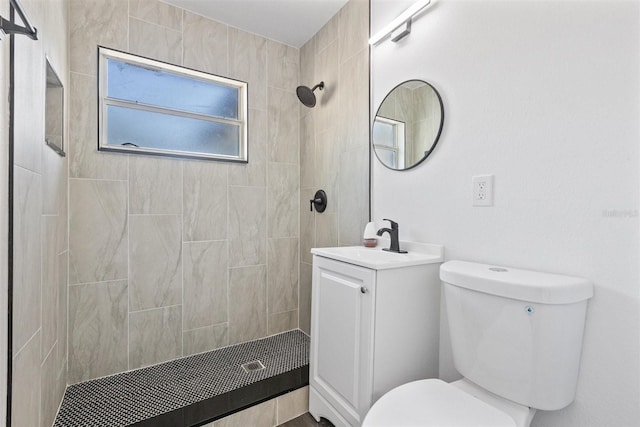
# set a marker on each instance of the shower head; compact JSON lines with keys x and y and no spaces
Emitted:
{"x":306,"y":96}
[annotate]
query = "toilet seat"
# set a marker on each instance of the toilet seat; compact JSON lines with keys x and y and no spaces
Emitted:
{"x":434,"y":403}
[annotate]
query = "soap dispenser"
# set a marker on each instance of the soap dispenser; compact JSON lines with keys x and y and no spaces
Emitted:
{"x":370,"y":239}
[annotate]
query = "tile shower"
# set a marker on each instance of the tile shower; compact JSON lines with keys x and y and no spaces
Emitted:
{"x":169,"y":258}
{"x":173,"y":257}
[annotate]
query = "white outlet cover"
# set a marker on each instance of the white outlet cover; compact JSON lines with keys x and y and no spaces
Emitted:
{"x":482,"y":190}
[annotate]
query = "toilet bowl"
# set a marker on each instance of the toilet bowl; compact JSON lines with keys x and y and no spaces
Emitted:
{"x":433,"y":402}
{"x":516,"y":338}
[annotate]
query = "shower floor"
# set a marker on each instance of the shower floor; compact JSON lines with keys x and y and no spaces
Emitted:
{"x":193,"y":390}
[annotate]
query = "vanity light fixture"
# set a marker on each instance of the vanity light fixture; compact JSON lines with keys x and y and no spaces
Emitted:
{"x":404,"y":19}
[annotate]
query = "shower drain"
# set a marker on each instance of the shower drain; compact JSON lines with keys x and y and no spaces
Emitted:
{"x":254,"y":365}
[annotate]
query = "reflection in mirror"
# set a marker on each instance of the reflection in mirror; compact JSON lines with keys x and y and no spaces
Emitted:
{"x":407,"y":125}
{"x":54,"y":111}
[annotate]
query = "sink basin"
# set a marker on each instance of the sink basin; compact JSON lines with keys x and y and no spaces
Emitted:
{"x":377,"y":259}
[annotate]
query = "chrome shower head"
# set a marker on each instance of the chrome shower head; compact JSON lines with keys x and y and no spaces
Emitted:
{"x":306,"y":96}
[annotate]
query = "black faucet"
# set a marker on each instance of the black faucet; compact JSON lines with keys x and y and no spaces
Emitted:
{"x":393,"y":234}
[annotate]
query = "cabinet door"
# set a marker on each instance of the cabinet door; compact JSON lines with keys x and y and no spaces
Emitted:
{"x":342,"y":336}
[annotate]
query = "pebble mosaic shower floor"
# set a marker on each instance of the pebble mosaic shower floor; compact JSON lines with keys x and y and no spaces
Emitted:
{"x":193,"y":390}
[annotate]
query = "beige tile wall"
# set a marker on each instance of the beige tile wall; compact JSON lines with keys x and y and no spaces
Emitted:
{"x":168,"y":257}
{"x":172,"y":257}
{"x":40,"y":225}
{"x":334,"y":139}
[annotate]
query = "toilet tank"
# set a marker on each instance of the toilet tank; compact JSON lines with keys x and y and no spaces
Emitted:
{"x":516,"y":333}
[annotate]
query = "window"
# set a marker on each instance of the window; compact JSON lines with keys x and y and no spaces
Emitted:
{"x":152,"y":107}
{"x":389,"y":141}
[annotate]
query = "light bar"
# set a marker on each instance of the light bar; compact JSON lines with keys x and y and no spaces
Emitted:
{"x":402,"y":19}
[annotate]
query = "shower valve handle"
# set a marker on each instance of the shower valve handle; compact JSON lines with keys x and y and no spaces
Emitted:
{"x":319,"y":201}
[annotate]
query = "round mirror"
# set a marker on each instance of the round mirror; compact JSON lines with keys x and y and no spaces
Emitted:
{"x":407,"y":125}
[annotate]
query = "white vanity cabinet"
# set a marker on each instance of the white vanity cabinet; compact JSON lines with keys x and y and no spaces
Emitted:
{"x":374,"y":326}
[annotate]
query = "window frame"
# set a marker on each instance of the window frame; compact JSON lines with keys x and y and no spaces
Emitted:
{"x":398,"y":147}
{"x":104,"y":101}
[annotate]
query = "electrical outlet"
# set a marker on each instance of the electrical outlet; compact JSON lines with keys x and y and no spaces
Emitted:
{"x":482,"y":190}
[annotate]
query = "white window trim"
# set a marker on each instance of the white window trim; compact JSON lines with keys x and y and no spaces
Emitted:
{"x":104,"y":54}
{"x":398,"y":141}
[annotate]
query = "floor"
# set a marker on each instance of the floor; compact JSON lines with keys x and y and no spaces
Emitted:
{"x":190,"y":390}
{"x":306,"y":420}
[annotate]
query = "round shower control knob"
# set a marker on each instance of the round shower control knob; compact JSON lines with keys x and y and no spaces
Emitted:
{"x":319,"y":201}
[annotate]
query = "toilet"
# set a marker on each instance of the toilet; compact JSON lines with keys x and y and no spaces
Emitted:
{"x":516,"y":339}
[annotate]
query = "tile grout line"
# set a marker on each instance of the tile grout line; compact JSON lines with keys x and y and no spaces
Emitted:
{"x":128,"y":162}
{"x":182,"y":243}
{"x":267,"y":181}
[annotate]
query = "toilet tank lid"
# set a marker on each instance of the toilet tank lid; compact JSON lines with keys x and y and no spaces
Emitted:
{"x":525,"y":285}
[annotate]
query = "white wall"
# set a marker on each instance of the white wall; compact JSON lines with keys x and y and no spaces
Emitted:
{"x":545,"y":95}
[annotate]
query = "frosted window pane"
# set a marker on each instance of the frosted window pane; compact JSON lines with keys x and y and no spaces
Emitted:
{"x":159,"y":88}
{"x":147,"y":129}
{"x":388,"y":157}
{"x":384,"y":134}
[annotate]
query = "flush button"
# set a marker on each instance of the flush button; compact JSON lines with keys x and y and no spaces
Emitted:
{"x":498,"y":269}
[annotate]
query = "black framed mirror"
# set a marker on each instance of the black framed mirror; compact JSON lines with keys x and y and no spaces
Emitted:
{"x":407,"y":125}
